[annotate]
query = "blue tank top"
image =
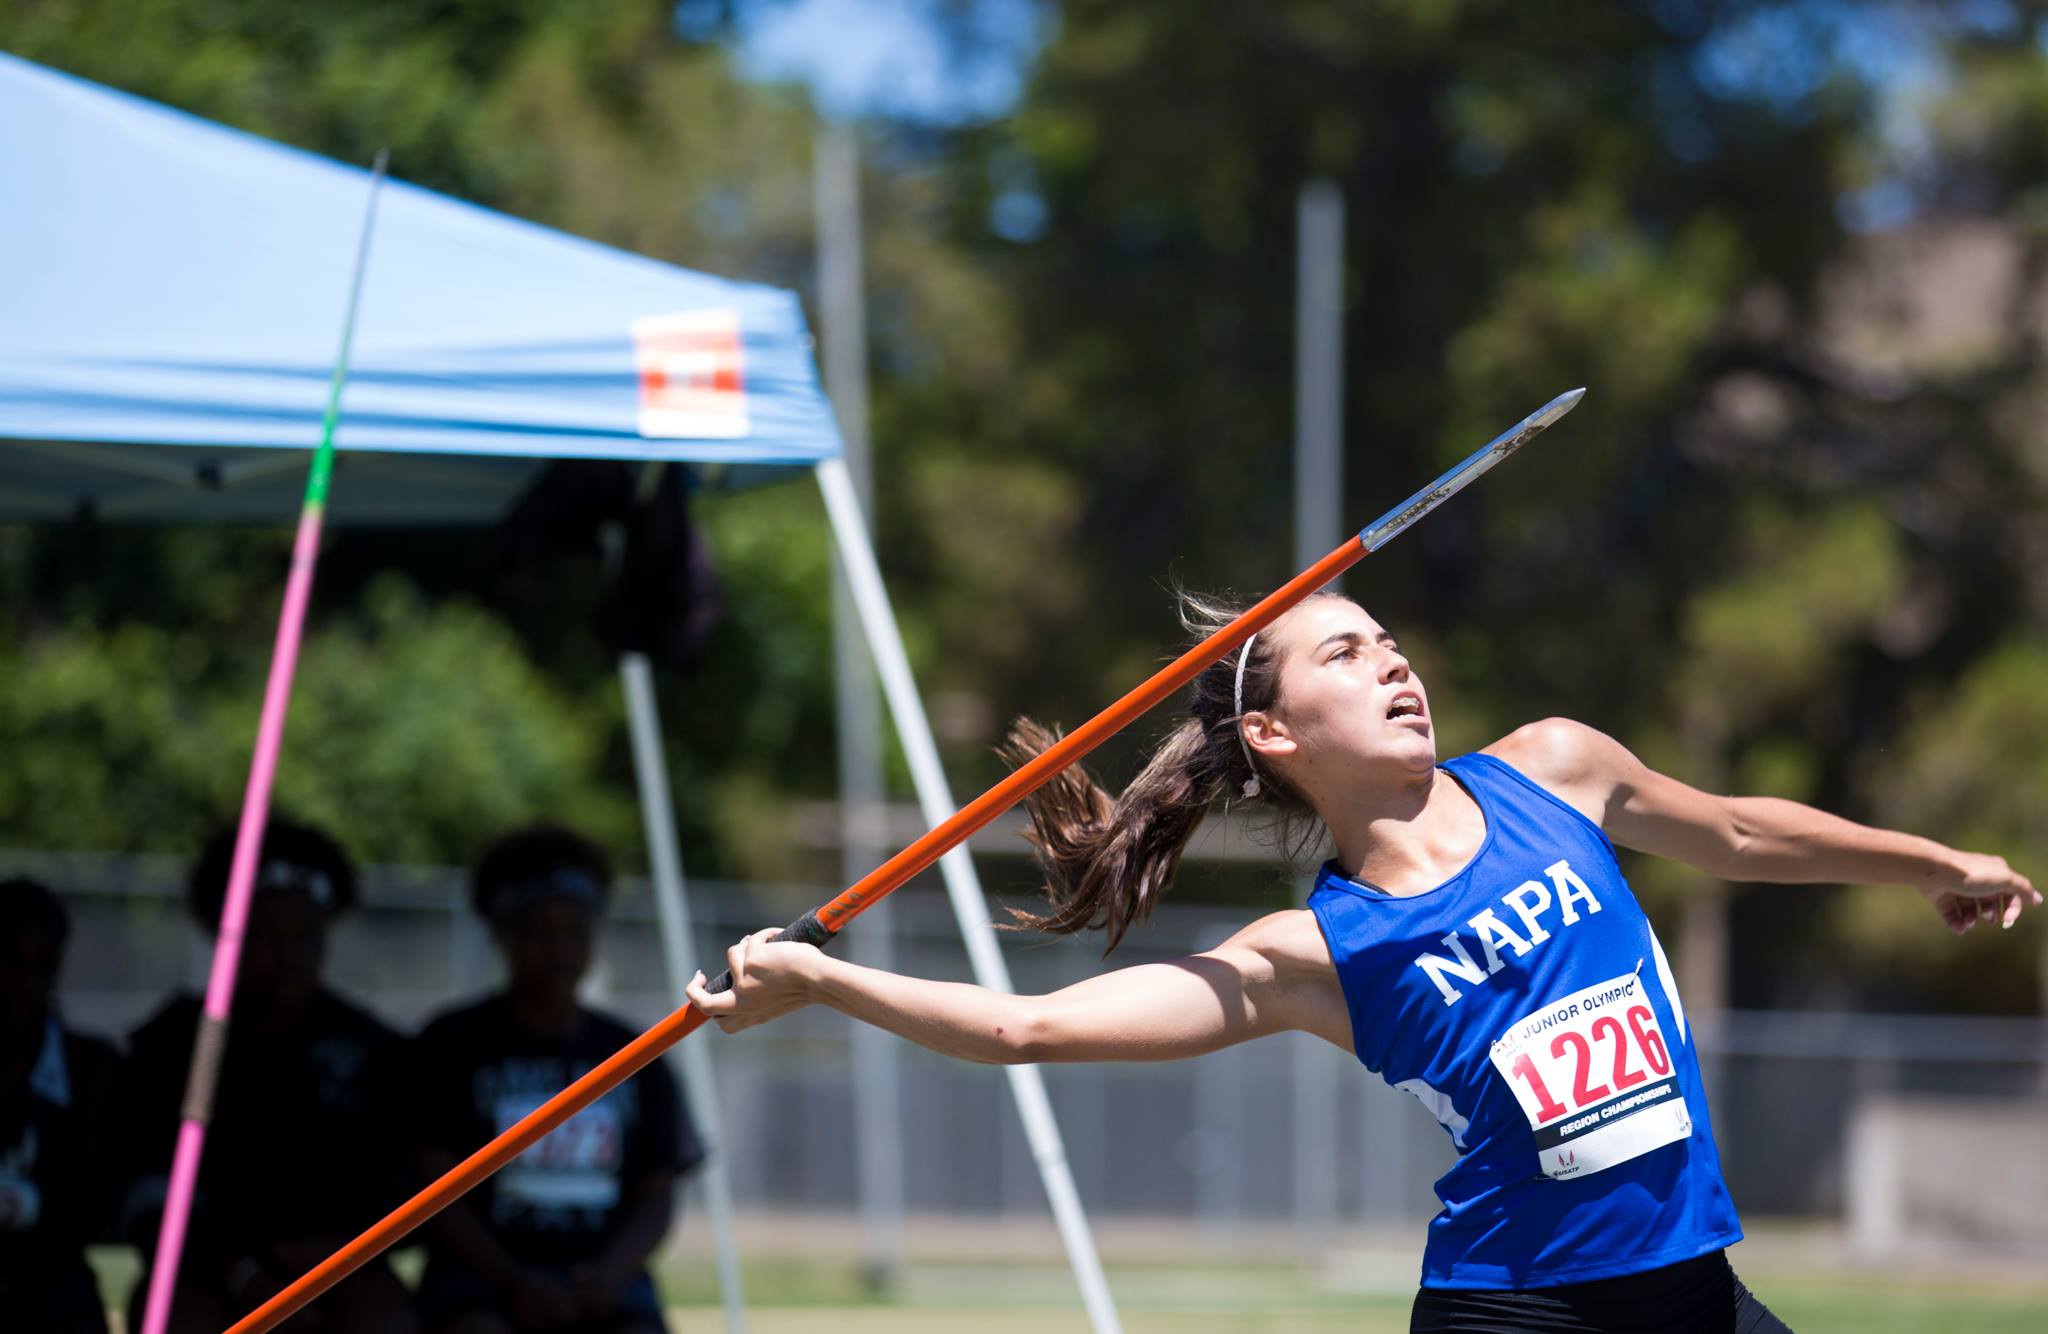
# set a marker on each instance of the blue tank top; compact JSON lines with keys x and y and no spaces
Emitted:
{"x":1527,"y":1003}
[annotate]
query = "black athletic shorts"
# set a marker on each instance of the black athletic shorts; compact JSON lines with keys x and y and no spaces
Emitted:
{"x":1700,"y":1296}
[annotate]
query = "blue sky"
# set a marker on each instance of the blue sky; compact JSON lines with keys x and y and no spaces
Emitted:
{"x":915,"y":59}
{"x":963,"y":60}
{"x":950,"y":62}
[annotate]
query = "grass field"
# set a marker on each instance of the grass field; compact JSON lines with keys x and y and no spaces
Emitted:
{"x":1818,"y":1310}
{"x":1175,"y":1285}
{"x":1267,"y":1299}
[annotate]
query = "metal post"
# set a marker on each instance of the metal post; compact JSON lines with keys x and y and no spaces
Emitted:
{"x":1318,"y":518}
{"x":1382,"y":1176}
{"x":1315,"y":1139}
{"x":1702,"y":978}
{"x":1214,"y":1153}
{"x":2043,"y":1064}
{"x":1319,"y":371}
{"x":963,"y":887}
{"x":678,"y":943}
{"x":877,"y":1062}
{"x":1220,"y":1077}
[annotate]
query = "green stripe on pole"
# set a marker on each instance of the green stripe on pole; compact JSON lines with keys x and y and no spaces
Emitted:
{"x":322,"y":471}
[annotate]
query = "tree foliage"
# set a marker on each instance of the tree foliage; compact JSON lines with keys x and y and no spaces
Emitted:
{"x":1792,"y":541}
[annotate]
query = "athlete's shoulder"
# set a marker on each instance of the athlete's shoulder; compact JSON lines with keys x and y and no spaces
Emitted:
{"x":1288,"y":938}
{"x":1286,"y":965}
{"x":1554,"y":748}
{"x":1289,"y":950}
{"x":1579,"y":765}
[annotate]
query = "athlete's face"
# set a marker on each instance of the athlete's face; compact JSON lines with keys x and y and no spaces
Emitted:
{"x":1350,"y":710}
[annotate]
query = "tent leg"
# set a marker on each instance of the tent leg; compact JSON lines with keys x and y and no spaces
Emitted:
{"x":678,"y":939}
{"x":963,"y":887}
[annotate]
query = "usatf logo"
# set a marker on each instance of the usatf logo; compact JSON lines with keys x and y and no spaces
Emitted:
{"x":692,"y":375}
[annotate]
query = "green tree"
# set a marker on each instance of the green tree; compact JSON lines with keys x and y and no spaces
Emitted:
{"x":1790,"y":543}
{"x":1760,"y":538}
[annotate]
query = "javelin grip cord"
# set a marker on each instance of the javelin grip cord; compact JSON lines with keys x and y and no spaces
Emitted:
{"x":805,"y":930}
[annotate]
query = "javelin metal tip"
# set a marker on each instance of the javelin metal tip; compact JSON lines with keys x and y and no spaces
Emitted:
{"x":1396,"y":520}
{"x":1556,"y":408}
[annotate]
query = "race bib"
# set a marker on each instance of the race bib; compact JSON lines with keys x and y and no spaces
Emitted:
{"x":1593,"y":1075}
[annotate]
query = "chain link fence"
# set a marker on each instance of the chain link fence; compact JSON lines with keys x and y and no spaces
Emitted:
{"x":1286,"y":1132}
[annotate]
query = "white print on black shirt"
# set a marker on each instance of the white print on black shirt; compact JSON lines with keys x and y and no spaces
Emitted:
{"x":570,"y":1180}
{"x":1528,"y":901}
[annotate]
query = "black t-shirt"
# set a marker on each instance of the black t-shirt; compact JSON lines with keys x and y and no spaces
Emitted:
{"x":302,"y":1143}
{"x":50,"y":1130}
{"x":476,"y":1071}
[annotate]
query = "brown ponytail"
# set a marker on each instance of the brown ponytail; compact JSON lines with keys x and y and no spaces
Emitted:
{"x":1108,"y":860}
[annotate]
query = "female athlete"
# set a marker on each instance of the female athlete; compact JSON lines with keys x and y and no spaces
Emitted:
{"x":1473,"y":941}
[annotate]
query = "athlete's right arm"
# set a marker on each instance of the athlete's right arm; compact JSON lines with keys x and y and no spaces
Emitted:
{"x":1273,"y":976}
{"x":1756,"y":838}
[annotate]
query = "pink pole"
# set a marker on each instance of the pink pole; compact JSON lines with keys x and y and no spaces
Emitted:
{"x":210,"y":1042}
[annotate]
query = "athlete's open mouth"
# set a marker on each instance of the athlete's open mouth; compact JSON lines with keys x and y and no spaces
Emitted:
{"x":1406,"y":705}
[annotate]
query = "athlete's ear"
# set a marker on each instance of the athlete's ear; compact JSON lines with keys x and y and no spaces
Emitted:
{"x":1267,"y":735}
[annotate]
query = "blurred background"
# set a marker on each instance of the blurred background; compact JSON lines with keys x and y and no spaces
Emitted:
{"x":1794,"y":542}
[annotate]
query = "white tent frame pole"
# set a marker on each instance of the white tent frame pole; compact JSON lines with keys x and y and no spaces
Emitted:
{"x":963,"y":887}
{"x":678,"y":943}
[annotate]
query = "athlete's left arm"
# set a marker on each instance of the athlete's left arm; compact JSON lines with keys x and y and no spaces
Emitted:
{"x":1756,"y":838}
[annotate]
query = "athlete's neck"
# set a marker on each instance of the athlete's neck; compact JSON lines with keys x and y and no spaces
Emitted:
{"x":1411,"y":838}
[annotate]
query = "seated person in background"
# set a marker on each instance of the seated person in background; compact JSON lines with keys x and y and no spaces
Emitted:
{"x":54,"y":1089}
{"x":301,"y":1154}
{"x":559,"y":1240}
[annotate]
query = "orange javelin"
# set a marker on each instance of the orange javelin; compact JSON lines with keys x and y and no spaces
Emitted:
{"x":822,"y":924}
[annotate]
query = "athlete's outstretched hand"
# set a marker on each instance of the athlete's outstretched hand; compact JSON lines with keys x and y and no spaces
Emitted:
{"x":770,"y":978}
{"x":1984,"y":889}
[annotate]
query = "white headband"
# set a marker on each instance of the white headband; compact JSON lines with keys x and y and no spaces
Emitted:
{"x":1251,"y":785}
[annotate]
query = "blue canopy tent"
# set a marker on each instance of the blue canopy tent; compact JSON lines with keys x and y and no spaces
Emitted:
{"x":170,"y":291}
{"x":174,"y":282}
